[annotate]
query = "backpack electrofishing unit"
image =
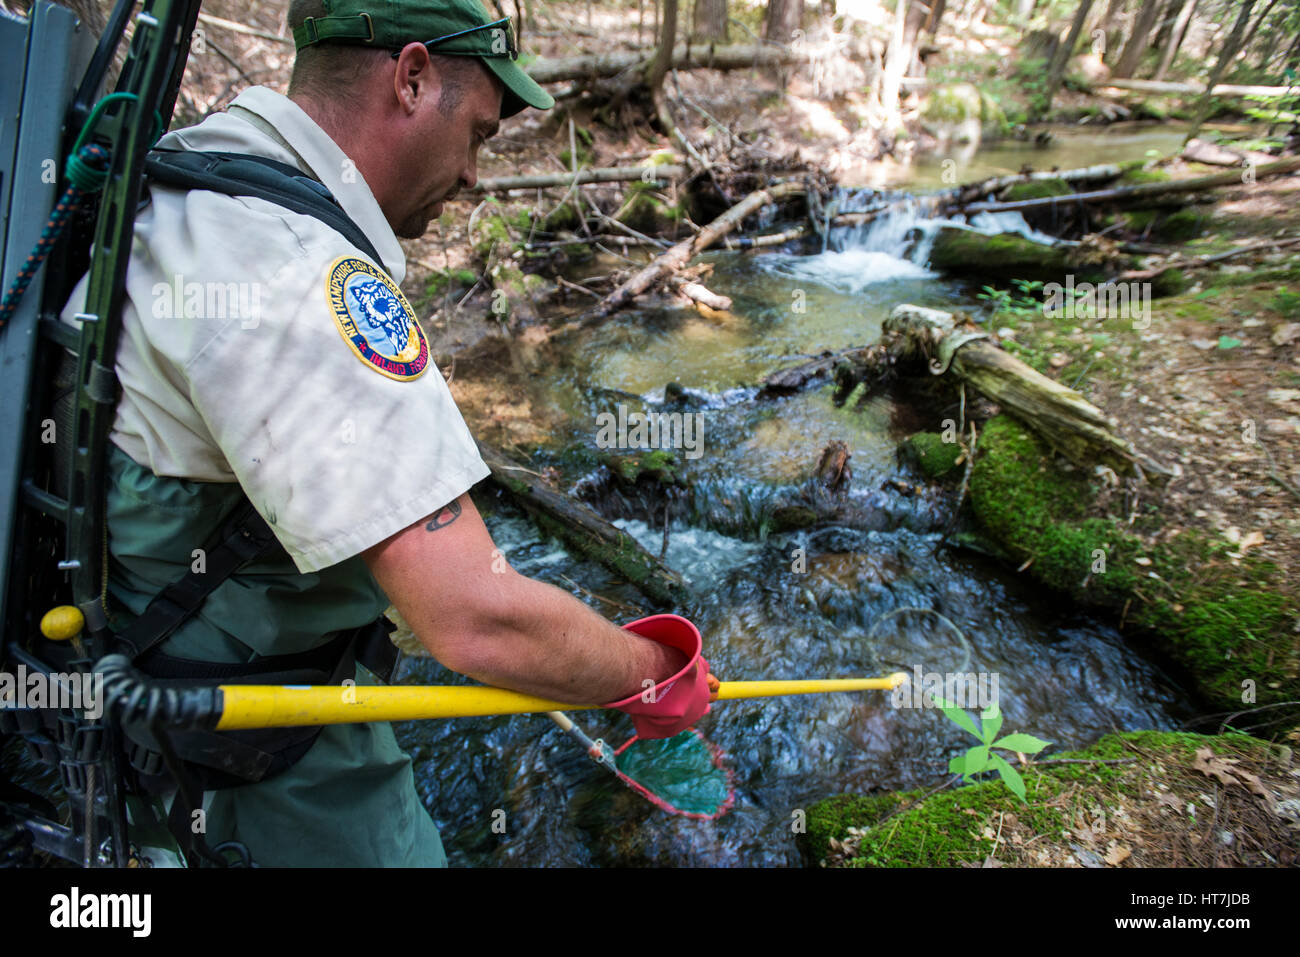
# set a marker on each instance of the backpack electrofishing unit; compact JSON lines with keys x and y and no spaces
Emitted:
{"x":99,"y":718}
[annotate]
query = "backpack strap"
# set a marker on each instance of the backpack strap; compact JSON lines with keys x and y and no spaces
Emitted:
{"x":243,"y":537}
{"x":244,"y":174}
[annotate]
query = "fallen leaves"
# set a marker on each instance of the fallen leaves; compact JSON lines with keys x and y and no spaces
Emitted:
{"x":1227,"y":772}
{"x":1117,"y":855}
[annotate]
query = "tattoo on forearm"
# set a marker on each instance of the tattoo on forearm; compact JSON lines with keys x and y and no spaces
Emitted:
{"x":443,"y":517}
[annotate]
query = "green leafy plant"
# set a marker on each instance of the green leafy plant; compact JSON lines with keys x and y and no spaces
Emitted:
{"x":1004,"y":301}
{"x":981,"y":757}
{"x":1287,"y":303}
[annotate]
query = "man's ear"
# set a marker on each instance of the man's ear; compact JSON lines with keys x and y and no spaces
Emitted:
{"x":414,"y":77}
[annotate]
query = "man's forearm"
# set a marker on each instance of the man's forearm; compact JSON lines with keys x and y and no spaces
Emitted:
{"x":552,"y":645}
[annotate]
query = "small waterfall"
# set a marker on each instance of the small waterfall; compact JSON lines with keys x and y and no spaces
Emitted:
{"x":904,"y":227}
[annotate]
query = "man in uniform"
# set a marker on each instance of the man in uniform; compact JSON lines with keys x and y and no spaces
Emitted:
{"x":266,"y":358}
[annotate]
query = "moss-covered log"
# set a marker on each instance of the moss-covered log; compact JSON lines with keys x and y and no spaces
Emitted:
{"x":1005,"y":256}
{"x":1136,"y":195}
{"x":1227,"y":626}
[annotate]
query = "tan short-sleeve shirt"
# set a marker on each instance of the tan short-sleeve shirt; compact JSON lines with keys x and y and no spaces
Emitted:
{"x":260,"y":347}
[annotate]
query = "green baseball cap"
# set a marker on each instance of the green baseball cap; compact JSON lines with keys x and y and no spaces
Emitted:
{"x":452,"y":27}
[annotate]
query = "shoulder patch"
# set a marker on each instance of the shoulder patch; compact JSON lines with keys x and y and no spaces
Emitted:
{"x":375,"y":319}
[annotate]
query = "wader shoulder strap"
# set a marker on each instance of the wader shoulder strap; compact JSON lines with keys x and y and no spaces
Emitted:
{"x":243,"y":537}
{"x":243,"y":174}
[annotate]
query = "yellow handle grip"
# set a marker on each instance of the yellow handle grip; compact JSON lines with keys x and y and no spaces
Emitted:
{"x":284,"y":706}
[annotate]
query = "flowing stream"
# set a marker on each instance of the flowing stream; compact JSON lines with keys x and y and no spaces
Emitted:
{"x":517,"y":791}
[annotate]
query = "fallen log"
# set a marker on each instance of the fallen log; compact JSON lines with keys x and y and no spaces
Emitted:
{"x":729,"y":57}
{"x":1194,"y":89}
{"x":796,"y":378}
{"x":234,"y":27}
{"x":611,"y":174}
{"x":582,"y":529}
{"x":1060,"y":415}
{"x":679,"y":255}
{"x":970,"y":191}
{"x":696,"y":292}
{"x":1141,"y":192}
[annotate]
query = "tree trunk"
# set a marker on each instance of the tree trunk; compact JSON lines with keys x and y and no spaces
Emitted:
{"x":1230,"y":50}
{"x":1175,"y":38}
{"x":1025,"y":9}
{"x":735,"y":56}
{"x":1292,"y":55}
{"x":1138,"y":40}
{"x":783,"y":18}
{"x":917,"y":14}
{"x":664,"y":57}
{"x":1139,"y":193}
{"x":1059,"y":62}
{"x":897,"y":57}
{"x":1198,"y":89}
{"x":1168,"y":19}
{"x":937,"y":8}
{"x":711,"y":21}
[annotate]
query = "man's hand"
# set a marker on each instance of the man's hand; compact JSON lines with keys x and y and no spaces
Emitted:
{"x":480,"y":617}
{"x":671,"y":706}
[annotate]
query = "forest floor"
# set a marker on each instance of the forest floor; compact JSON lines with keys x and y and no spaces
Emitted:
{"x":1137,"y":799}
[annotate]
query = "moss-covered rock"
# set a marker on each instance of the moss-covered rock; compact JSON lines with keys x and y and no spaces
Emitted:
{"x":1171,"y":282}
{"x":1177,"y":226}
{"x":952,"y":103}
{"x":646,"y":211}
{"x":491,"y":230}
{"x":654,"y":465}
{"x":930,"y":453}
{"x":444,"y":279}
{"x":584,"y":139}
{"x":1035,"y":510}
